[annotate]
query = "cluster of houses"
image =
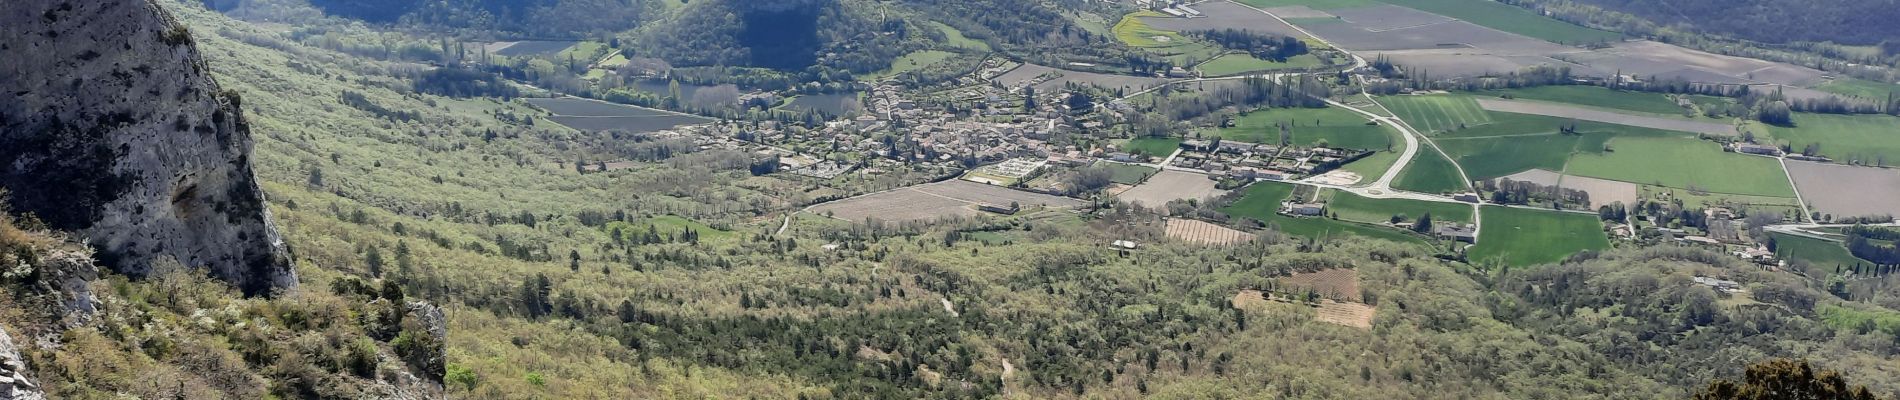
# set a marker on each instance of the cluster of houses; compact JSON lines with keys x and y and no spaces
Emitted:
{"x":1442,"y":230}
{"x":1253,"y":161}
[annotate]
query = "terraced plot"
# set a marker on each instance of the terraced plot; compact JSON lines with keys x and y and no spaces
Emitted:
{"x":1202,"y":232}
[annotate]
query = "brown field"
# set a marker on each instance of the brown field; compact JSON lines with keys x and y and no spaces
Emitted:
{"x":1647,"y":58}
{"x":1347,"y":314}
{"x":1588,"y":114}
{"x":1248,"y":299}
{"x":1167,"y":186}
{"x":1201,"y":232}
{"x":1845,"y":190}
{"x":1224,"y":15}
{"x":931,"y":201}
{"x":1337,"y":283}
{"x":1602,"y":191}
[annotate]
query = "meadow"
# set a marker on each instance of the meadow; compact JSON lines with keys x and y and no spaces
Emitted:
{"x":910,"y":62}
{"x":1177,"y":48}
{"x":1338,"y":127}
{"x":1861,"y":88}
{"x":1241,"y":63}
{"x":1127,"y":174}
{"x":1596,"y":96}
{"x":1684,"y":163}
{"x":1262,"y":202}
{"x":1868,"y":139}
{"x":1432,"y":114}
{"x":1486,"y":158}
{"x":1373,"y":166}
{"x":1523,"y":237}
{"x":1430,"y":172}
{"x":1356,"y":208}
{"x":1822,"y":256}
{"x":955,"y":38}
{"x":1153,"y":146}
{"x":1513,"y":19}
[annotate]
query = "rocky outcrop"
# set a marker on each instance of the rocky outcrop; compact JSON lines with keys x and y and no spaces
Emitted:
{"x":111,"y":126}
{"x":13,"y":382}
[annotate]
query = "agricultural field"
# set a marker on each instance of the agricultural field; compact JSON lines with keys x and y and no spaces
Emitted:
{"x":1821,"y":255}
{"x":595,"y":115}
{"x":1177,"y":48}
{"x":1430,"y":172}
{"x":1867,"y":139}
{"x":1338,"y":127}
{"x":1861,"y":88}
{"x":1596,"y":96}
{"x":1674,"y":123}
{"x":910,"y":62}
{"x":1241,"y":63}
{"x":1513,"y":19}
{"x":1491,"y":157}
{"x":1202,"y":232}
{"x":1127,"y":174}
{"x":1352,"y":207}
{"x":533,"y":48}
{"x":1786,"y":206}
{"x":1314,"y":4}
{"x":1684,"y":163}
{"x":1262,"y":202}
{"x":1373,"y":166}
{"x":955,"y":38}
{"x":1523,"y":237}
{"x":1333,"y":283}
{"x":1153,"y":146}
{"x":1847,"y":191}
{"x":1217,"y":15}
{"x":1430,"y":114}
{"x":1167,"y":186}
{"x":931,"y":201}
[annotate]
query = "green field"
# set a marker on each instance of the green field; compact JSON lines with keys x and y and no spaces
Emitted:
{"x":910,"y":62}
{"x":1241,"y":63}
{"x":955,"y":38}
{"x":1684,"y":163}
{"x":1822,"y":256}
{"x":1262,"y":202}
{"x":1864,"y":138}
{"x":1315,"y":4}
{"x":1373,"y":166}
{"x":1352,"y":207}
{"x":1338,"y":127}
{"x":1153,"y":146}
{"x":1430,"y":172}
{"x":1849,"y":318}
{"x":1486,"y":158}
{"x":1861,"y":88}
{"x":1596,"y":96}
{"x":1172,"y":45}
{"x":1523,"y":237}
{"x":1431,"y":114}
{"x":1127,"y":174}
{"x":1508,"y":18}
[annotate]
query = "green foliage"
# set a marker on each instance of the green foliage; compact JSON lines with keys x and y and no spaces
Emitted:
{"x":1520,"y":237}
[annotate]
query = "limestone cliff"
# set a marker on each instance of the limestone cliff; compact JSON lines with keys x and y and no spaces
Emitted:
{"x":111,"y":126}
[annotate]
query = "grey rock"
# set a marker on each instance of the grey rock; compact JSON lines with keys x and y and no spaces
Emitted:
{"x":13,"y":382}
{"x":111,"y":126}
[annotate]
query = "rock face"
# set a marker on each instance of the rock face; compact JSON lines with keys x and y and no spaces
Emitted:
{"x":13,"y":382}
{"x":111,"y":126}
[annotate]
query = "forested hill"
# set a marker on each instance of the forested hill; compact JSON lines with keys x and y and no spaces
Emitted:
{"x":535,"y":18}
{"x":1857,"y":22}
{"x":784,"y":34}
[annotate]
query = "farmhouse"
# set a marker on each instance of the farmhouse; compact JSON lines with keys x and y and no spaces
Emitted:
{"x":1122,"y":244}
{"x":1751,"y":148}
{"x":1720,"y":284}
{"x":1236,"y":147}
{"x":1305,"y":209}
{"x":1457,"y":232}
{"x":1197,"y":145}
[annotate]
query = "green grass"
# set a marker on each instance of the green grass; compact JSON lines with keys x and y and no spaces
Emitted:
{"x":1684,"y":163}
{"x":1153,"y":146}
{"x":1845,"y":318}
{"x":1352,"y":207}
{"x":1522,"y":237}
{"x":1262,"y":202}
{"x":1864,"y":138}
{"x":1860,"y":88}
{"x":1177,"y":48}
{"x":1430,"y":172}
{"x":1315,"y":4}
{"x":1373,"y":166}
{"x":1486,"y":158}
{"x":954,"y":38}
{"x":583,"y":52}
{"x":1127,"y":173}
{"x":910,"y":62}
{"x":1338,"y":127}
{"x":1821,"y":255}
{"x":1241,"y":63}
{"x":1431,"y":114}
{"x":1596,"y":96}
{"x":1508,"y":18}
